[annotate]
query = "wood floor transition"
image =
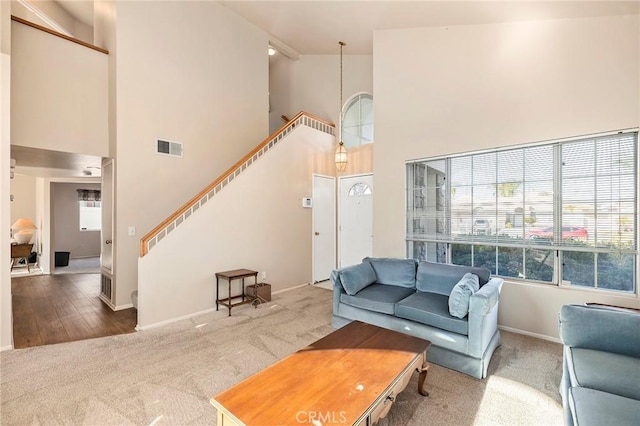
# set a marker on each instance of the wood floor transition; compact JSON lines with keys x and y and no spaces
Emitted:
{"x":51,"y":309}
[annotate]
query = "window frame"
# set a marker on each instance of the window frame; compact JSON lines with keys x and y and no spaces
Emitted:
{"x":440,"y":247}
{"x":356,"y":99}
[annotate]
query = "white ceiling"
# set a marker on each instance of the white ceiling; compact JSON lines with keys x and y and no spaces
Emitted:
{"x":81,"y":10}
{"x":315,"y":27}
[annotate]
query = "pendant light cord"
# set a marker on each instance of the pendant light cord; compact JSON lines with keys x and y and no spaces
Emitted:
{"x":342,"y":44}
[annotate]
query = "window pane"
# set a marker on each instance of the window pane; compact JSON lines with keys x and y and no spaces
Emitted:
{"x":357,"y":121}
{"x":616,"y":271}
{"x":432,"y":252}
{"x":578,"y":268}
{"x":510,"y":262}
{"x":500,"y":210}
{"x":461,"y":254}
{"x":485,"y":257}
{"x":539,"y":265}
{"x":90,"y":215}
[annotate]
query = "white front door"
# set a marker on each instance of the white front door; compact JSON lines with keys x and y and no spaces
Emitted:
{"x":356,"y":219}
{"x":324,"y":227}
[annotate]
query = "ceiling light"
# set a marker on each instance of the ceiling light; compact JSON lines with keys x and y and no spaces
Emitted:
{"x":271,"y":51}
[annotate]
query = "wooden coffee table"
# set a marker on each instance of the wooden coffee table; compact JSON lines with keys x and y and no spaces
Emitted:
{"x":351,"y":376}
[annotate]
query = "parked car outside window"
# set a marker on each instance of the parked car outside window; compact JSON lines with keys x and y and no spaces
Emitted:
{"x":482,"y":226}
{"x":568,"y":233}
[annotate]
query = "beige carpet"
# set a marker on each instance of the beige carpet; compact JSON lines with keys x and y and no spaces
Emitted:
{"x":167,"y":375}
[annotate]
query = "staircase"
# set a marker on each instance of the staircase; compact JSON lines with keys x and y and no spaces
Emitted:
{"x":252,"y":216}
{"x":156,"y":235}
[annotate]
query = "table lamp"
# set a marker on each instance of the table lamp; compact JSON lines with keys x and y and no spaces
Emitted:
{"x":23,"y":230}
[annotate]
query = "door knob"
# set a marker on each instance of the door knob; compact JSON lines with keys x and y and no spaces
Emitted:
{"x":317,"y":233}
{"x":108,"y":242}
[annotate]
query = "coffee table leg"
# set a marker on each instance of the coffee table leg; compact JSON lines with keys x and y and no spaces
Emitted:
{"x":422,"y":377}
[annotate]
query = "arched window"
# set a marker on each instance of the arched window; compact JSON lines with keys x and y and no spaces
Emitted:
{"x":359,"y":189}
{"x":357,"y":121}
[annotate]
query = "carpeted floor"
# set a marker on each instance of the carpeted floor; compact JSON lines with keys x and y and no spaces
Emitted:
{"x":82,"y":265}
{"x":167,"y":375}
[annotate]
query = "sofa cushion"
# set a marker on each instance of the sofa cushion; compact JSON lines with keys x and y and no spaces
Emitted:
{"x":431,"y":309}
{"x":602,"y":328}
{"x":592,"y":407}
{"x":605,"y":371}
{"x":441,"y":277}
{"x":377,"y":297}
{"x":355,"y":278}
{"x":461,"y":293}
{"x":397,"y":272}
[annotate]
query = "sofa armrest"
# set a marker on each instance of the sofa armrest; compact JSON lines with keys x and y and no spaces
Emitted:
{"x":600,"y":328}
{"x":337,"y":289}
{"x":483,"y":300}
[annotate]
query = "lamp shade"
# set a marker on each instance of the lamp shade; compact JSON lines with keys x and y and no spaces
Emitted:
{"x":23,"y":230}
{"x":23,"y":223}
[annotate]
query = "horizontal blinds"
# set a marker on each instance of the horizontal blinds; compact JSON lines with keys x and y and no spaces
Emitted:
{"x":577,"y":194}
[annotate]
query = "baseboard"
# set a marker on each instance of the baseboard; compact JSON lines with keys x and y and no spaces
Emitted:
{"x":206,"y":311}
{"x":530,"y":334}
{"x":107,"y":301}
{"x":172,"y":320}
{"x":121,"y":307}
{"x":6,"y":348}
{"x":291,"y":288}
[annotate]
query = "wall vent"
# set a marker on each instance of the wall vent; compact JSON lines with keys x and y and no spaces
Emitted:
{"x":105,"y":286}
{"x":168,"y":148}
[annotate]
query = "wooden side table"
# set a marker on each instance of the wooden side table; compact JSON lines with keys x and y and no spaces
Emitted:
{"x":236,"y":274}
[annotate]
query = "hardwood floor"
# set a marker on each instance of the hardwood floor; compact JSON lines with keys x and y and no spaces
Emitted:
{"x":51,"y":309}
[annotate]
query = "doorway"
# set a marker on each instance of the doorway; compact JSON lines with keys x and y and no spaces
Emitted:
{"x":355,"y":219}
{"x":324,"y":227}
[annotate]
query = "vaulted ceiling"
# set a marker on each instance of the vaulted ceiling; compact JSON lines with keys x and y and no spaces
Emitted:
{"x":315,"y":27}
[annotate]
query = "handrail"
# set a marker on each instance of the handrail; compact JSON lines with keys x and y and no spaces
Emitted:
{"x":211,"y":189}
{"x":57,"y":34}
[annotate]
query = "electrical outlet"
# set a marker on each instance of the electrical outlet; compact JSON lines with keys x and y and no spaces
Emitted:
{"x":263,"y":276}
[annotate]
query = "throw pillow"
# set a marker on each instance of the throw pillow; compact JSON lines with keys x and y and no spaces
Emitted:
{"x":461,"y":293}
{"x":355,"y":278}
{"x":394,"y":271}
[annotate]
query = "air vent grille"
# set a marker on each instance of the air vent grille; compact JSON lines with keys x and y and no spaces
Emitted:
{"x":169,"y":148}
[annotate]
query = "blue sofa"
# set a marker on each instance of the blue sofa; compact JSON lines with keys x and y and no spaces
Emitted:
{"x":418,"y":298}
{"x":601,"y":365}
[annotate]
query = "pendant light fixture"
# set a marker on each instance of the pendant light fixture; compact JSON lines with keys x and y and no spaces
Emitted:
{"x":341,"y":151}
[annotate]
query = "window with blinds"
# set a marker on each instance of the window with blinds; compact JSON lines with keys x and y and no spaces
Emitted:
{"x":563,"y":212}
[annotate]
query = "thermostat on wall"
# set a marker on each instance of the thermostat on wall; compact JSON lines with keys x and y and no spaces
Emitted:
{"x":307,"y":203}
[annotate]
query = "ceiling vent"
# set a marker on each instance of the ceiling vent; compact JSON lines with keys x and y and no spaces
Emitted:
{"x":169,"y":148}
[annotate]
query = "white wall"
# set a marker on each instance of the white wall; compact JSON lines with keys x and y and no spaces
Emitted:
{"x":190,"y":72}
{"x":65,"y":222}
{"x":6,"y":323}
{"x":315,"y":83}
{"x":23,"y":189}
{"x":447,"y":90}
{"x":59,"y":93}
{"x":312,"y":84}
{"x":256,"y":222}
